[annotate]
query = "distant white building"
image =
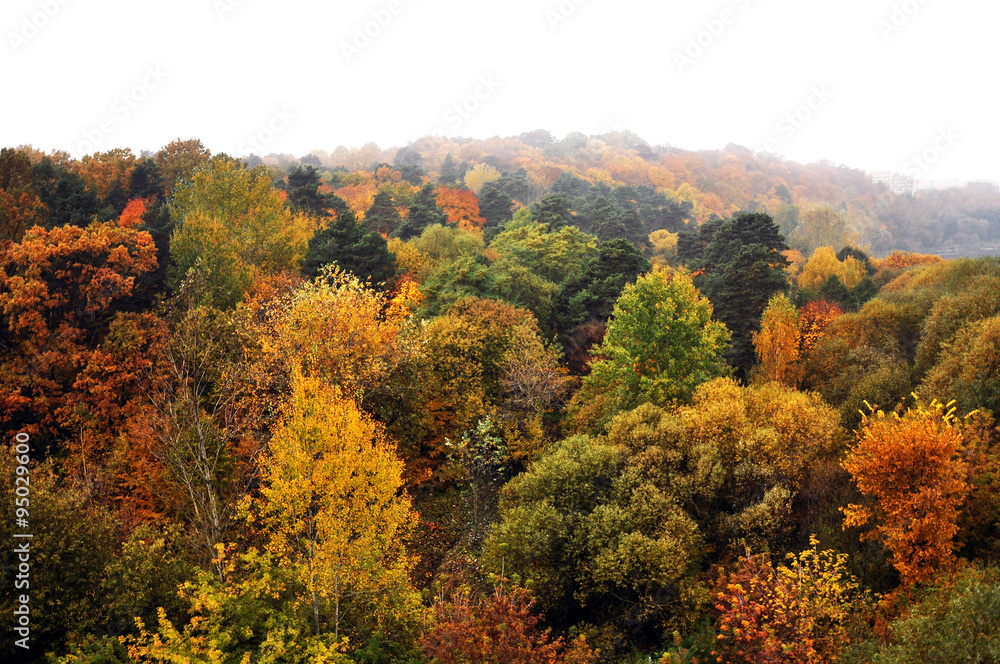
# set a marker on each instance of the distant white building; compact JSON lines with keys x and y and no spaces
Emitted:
{"x":898,"y":183}
{"x":895,"y":182}
{"x":940,"y":184}
{"x":985,"y":186}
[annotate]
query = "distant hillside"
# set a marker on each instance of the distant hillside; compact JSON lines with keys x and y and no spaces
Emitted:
{"x":718,"y":182}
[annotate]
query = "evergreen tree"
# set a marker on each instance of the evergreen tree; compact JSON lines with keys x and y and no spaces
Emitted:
{"x":495,"y":205}
{"x":383,"y":216}
{"x":552,"y":210}
{"x":303,"y":191}
{"x":743,"y":267}
{"x":346,"y":242}
{"x":65,"y":194}
{"x":449,"y":172}
{"x":423,"y":213}
{"x":593,"y":294}
{"x":146,"y":181}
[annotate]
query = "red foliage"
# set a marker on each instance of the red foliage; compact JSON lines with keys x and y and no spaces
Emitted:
{"x":57,"y":290}
{"x":501,"y":629}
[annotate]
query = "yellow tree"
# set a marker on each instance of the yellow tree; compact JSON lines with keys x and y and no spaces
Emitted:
{"x":337,"y":327}
{"x":778,"y":342}
{"x":910,"y":466}
{"x":334,"y":508}
{"x":480,"y":176}
{"x":821,"y":266}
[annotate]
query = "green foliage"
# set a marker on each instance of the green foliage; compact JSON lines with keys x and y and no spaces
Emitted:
{"x":740,"y":267}
{"x":592,"y":294}
{"x":345,"y":242}
{"x":73,"y":541}
{"x":598,"y":539}
{"x":383,"y":215}
{"x":466,"y":276}
{"x":958,"y":623}
{"x":553,"y":211}
{"x":423,"y":213}
{"x":557,"y":256}
{"x":304,"y":183}
{"x":614,"y":530}
{"x":660,"y":344}
{"x":65,"y":194}
{"x":231,"y":224}
{"x":495,"y":205}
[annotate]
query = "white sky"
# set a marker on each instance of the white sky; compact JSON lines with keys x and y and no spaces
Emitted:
{"x":232,"y":69}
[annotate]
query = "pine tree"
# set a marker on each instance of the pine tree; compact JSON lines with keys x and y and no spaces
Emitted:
{"x":347,"y":243}
{"x":423,"y":213}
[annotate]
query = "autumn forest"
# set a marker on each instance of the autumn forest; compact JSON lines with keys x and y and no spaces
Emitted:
{"x":518,"y":400}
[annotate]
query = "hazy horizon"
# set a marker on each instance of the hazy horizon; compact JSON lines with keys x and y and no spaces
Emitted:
{"x":898,"y":85}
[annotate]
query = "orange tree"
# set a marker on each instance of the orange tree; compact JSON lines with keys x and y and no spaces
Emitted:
{"x":793,"y":613}
{"x":778,"y":342}
{"x":910,"y":468}
{"x":58,"y":292}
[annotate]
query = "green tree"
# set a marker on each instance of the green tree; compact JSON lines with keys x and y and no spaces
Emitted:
{"x":743,"y":267}
{"x":65,"y":194}
{"x":553,"y":210}
{"x":303,"y":187}
{"x":345,"y":242}
{"x":956,"y":622}
{"x":233,"y":224}
{"x":592,"y":294}
{"x":601,"y":540}
{"x":555,"y":255}
{"x":661,"y":343}
{"x":423,"y":213}
{"x":383,"y":216}
{"x":495,"y":205}
{"x":449,"y":171}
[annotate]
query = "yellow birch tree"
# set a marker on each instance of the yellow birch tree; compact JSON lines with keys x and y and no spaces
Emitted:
{"x":333,"y":506}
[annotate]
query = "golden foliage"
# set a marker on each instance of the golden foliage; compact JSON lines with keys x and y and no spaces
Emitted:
{"x":778,"y":342}
{"x":332,"y":505}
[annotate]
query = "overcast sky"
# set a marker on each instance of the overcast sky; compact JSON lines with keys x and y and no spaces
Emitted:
{"x":872,"y":84}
